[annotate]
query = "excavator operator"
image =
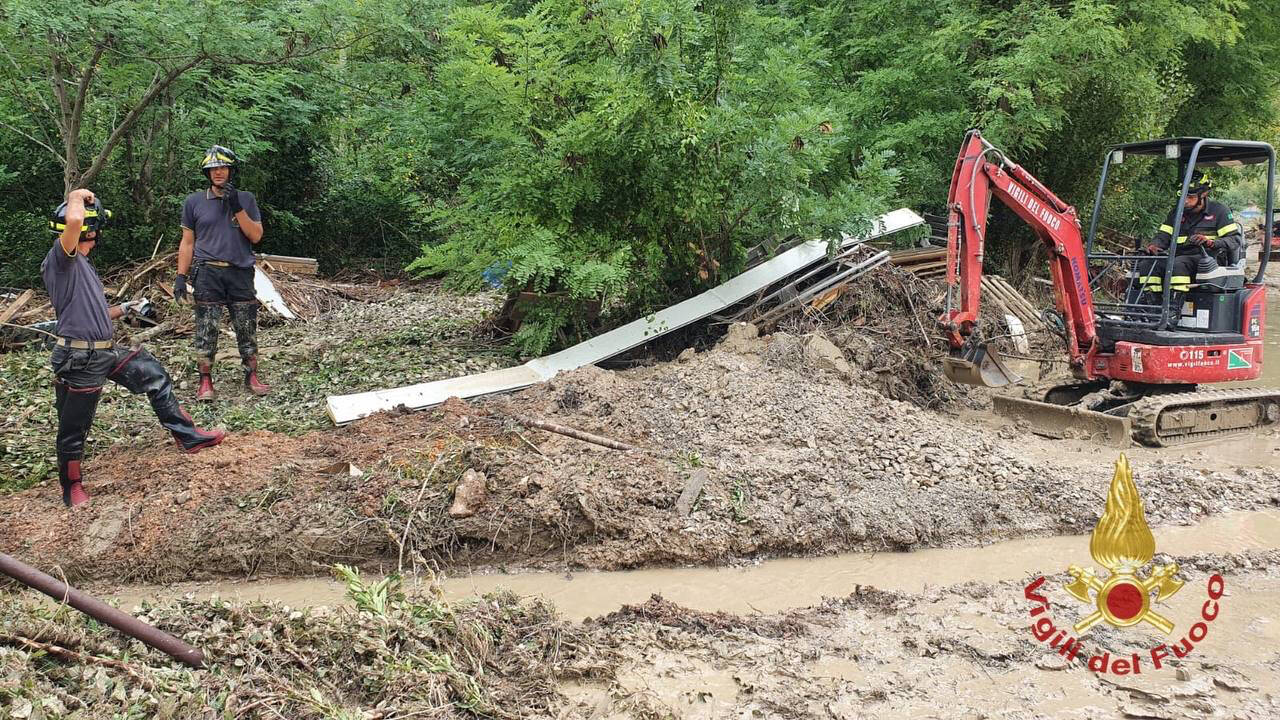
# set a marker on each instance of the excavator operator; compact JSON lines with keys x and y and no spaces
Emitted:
{"x":1207,"y":230}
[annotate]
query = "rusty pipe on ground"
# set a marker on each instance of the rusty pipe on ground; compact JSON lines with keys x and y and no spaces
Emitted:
{"x":98,"y":610}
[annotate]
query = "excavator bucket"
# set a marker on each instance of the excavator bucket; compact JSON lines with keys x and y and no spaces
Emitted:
{"x":978,"y":364}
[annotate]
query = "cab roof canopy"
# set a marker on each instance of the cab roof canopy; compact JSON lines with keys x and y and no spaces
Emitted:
{"x":1215,"y":151}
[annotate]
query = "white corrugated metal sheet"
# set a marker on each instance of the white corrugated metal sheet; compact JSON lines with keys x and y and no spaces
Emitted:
{"x":345,"y":408}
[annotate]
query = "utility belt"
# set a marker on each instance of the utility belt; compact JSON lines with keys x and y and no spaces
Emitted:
{"x":195,"y":267}
{"x":84,"y":344}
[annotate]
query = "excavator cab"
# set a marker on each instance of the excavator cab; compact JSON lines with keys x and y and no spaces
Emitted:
{"x":1214,"y":309}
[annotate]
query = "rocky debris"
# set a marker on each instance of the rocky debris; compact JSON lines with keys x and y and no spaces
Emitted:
{"x":692,"y":489}
{"x":741,"y":338}
{"x":469,"y":496}
{"x":823,"y":354}
{"x":799,"y":460}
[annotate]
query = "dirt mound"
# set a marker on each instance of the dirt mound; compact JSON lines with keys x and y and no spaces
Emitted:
{"x":797,"y":460}
{"x":260,"y":502}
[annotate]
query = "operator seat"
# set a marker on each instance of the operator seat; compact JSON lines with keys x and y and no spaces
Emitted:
{"x":1222,"y":279}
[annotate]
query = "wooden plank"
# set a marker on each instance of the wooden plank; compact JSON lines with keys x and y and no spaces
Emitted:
{"x":290,"y":264}
{"x":16,"y":305}
{"x":1019,"y":301}
{"x":997,"y":299}
{"x":1012,"y":301}
{"x":692,"y":488}
{"x":910,"y":257}
{"x":924,"y":267}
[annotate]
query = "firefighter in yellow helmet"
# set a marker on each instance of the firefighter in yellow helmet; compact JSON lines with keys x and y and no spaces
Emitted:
{"x":220,"y":226}
{"x":1207,"y":229}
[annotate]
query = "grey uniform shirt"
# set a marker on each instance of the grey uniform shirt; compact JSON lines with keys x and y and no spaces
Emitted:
{"x":76,"y":294}
{"x":218,"y":235}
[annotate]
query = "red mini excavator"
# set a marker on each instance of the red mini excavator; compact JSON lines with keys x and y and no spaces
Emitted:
{"x":1138,"y":367}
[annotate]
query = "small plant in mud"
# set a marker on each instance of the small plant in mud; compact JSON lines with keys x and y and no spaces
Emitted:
{"x":739,"y":498}
{"x":689,"y":459}
{"x":376,"y":597}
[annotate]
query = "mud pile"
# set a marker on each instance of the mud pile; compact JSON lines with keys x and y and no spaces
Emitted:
{"x":798,"y":459}
{"x":867,"y":653}
{"x":967,"y":648}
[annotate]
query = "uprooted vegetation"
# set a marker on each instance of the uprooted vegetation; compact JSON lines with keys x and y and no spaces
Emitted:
{"x":870,"y":652}
{"x":390,"y":655}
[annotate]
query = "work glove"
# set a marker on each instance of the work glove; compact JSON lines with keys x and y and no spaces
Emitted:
{"x":1201,"y":240}
{"x":180,"y":288}
{"x":232,"y":197}
{"x":141,"y":308}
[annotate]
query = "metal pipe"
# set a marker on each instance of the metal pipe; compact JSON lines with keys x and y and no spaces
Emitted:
{"x":98,"y":610}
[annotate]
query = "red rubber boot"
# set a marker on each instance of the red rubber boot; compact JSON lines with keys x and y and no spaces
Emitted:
{"x":206,"y":392}
{"x":251,"y":380}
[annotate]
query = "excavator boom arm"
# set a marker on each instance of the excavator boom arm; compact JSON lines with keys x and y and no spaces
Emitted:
{"x":982,"y":172}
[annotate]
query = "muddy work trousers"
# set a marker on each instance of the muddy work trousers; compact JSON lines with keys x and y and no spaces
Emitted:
{"x":78,"y":379}
{"x":218,"y":287}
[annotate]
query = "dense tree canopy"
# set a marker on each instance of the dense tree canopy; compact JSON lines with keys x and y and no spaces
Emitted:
{"x":628,"y":151}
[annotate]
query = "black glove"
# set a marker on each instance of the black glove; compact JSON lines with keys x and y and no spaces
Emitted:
{"x":180,"y":288}
{"x":232,"y":197}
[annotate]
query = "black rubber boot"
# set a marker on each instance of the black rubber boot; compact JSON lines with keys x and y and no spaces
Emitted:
{"x":1175,"y":306}
{"x":141,"y":373}
{"x":76,"y":408}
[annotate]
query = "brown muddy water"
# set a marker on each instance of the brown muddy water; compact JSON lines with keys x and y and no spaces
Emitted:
{"x":1271,"y":343}
{"x":771,"y":585}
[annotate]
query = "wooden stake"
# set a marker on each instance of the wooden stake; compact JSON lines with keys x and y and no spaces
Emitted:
{"x":574,"y":433}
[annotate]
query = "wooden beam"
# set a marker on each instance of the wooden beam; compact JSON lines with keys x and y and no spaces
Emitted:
{"x":16,"y":305}
{"x":289,"y":264}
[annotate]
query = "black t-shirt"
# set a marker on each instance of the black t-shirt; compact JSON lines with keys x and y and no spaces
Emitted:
{"x":76,"y":294}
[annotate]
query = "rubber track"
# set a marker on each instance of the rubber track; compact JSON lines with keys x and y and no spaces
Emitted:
{"x":1145,"y":414}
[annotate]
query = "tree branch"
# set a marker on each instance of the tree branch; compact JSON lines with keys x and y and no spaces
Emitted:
{"x":77,"y":110}
{"x":289,"y":55}
{"x":127,"y":124}
{"x":59,"y":92}
{"x":18,"y":72}
{"x":61,"y":160}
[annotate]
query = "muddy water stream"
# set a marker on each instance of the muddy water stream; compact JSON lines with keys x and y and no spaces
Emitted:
{"x":1271,"y":340}
{"x":775,"y":584}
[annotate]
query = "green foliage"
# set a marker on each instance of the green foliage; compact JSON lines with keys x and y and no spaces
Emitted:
{"x":629,"y":153}
{"x":620,"y":152}
{"x":373,"y":597}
